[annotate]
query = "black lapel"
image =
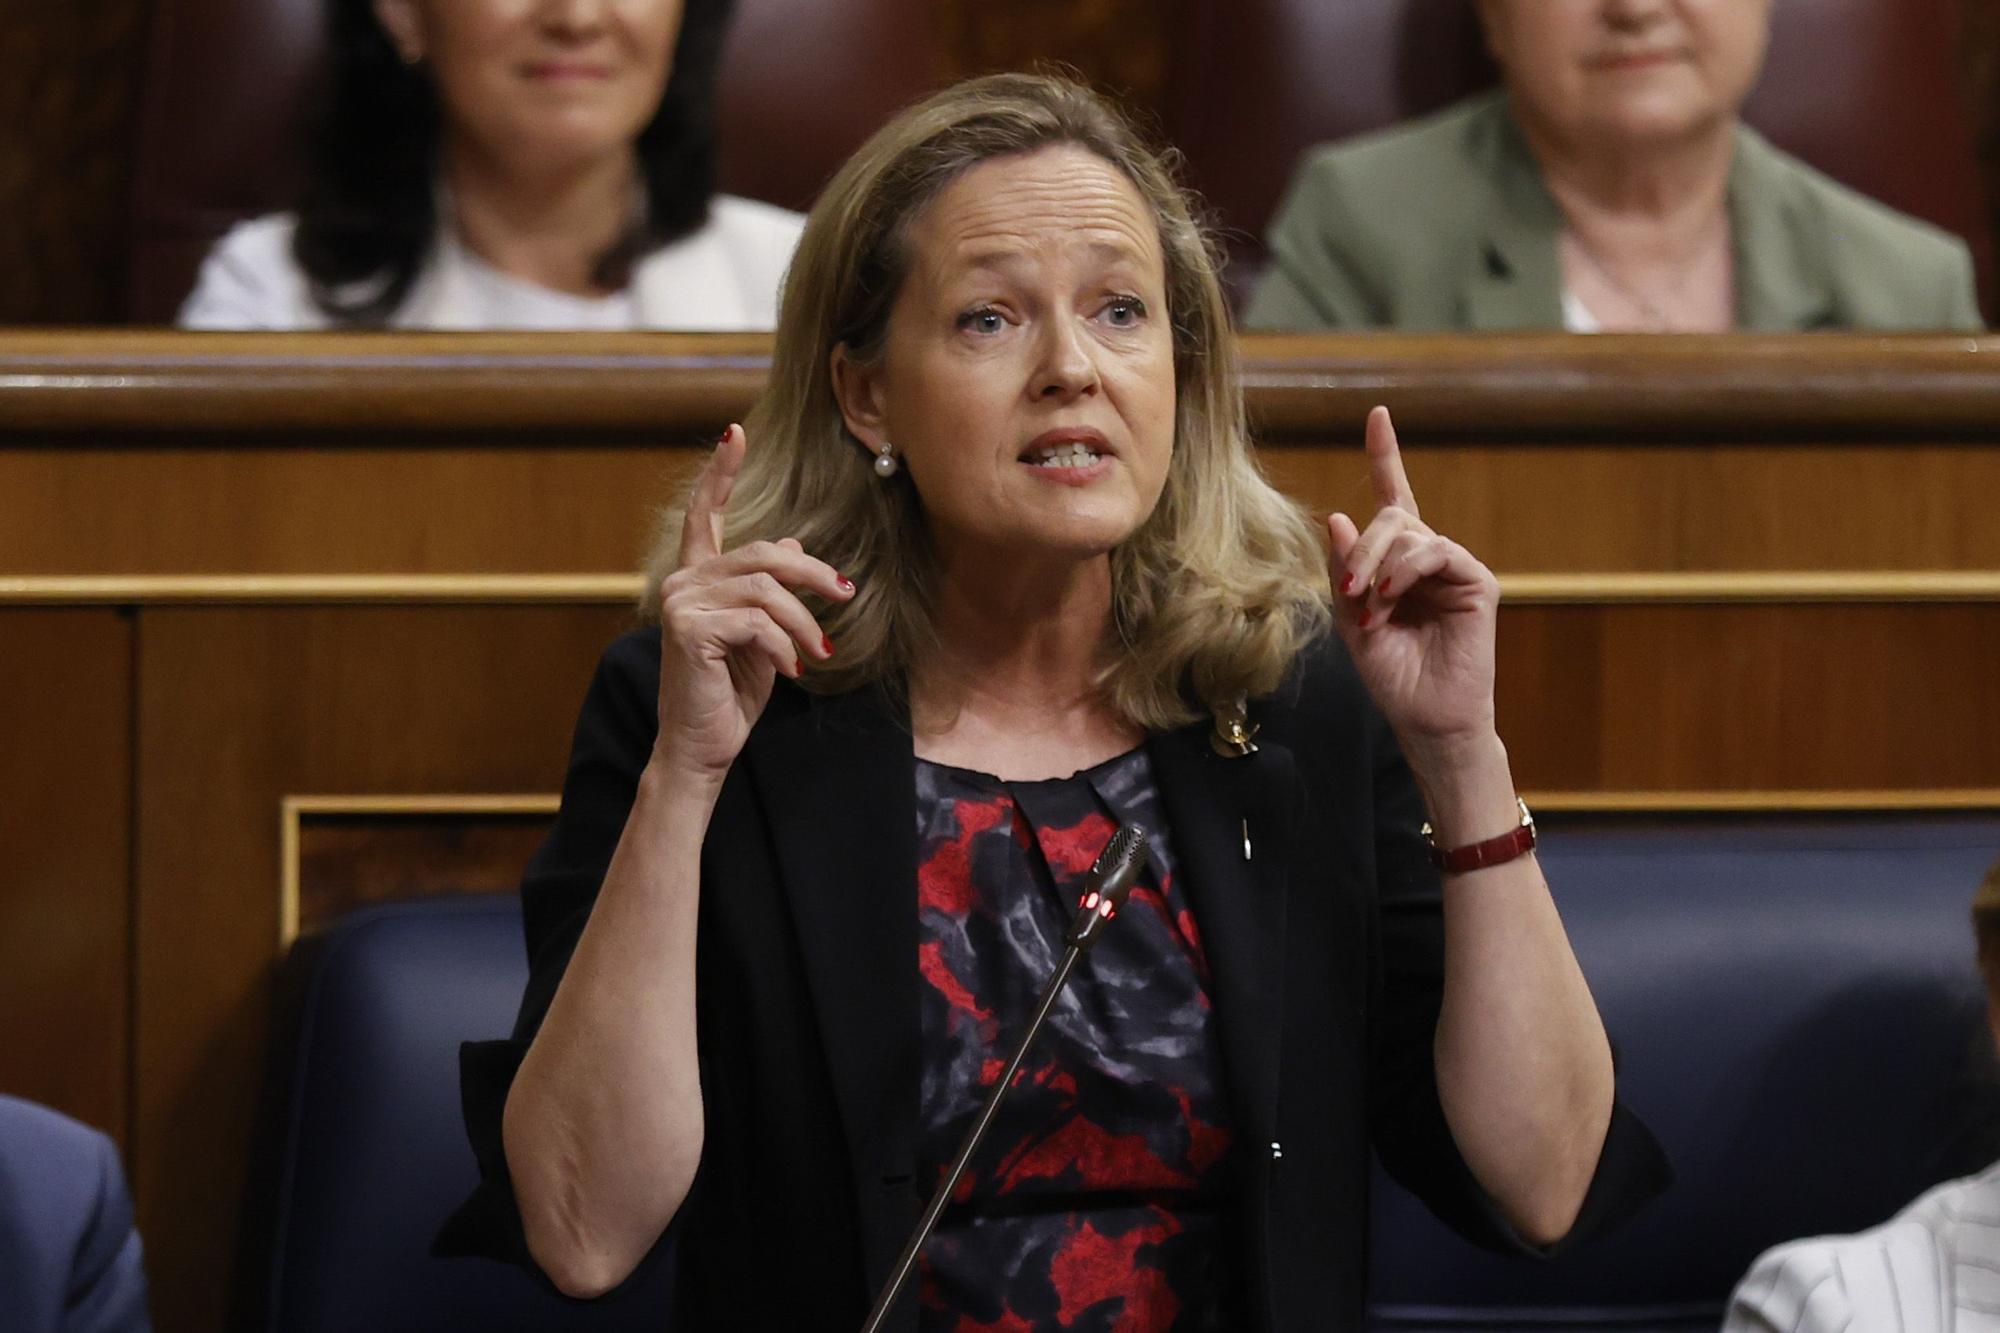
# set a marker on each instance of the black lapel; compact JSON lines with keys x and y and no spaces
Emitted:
{"x":1238,"y":902}
{"x":838,"y":780}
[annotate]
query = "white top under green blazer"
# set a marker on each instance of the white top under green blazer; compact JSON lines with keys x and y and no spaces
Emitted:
{"x":1445,"y":223}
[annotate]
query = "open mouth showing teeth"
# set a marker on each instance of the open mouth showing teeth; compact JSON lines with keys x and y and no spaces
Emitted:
{"x":1065,"y":455}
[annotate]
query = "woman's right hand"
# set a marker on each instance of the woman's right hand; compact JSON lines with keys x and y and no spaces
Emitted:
{"x":730,"y":623}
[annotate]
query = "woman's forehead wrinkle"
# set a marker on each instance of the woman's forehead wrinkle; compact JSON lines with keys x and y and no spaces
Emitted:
{"x":1003,"y":212}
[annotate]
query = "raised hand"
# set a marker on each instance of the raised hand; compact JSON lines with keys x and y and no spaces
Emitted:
{"x":731,"y":622}
{"x":1416,"y":610}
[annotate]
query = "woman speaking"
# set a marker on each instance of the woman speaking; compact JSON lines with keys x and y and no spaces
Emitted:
{"x":991,"y":571}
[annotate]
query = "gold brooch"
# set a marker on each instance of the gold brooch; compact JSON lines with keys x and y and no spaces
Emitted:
{"x":1234,"y":735}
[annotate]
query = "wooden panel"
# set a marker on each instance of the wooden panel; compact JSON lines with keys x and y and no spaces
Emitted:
{"x":1751,"y":698}
{"x":586,"y":510}
{"x":170,"y":453}
{"x":1497,"y":388}
{"x":153,"y":385}
{"x":1606,"y":508}
{"x":65,"y":858}
{"x":1118,"y":45}
{"x":68,"y":76}
{"x":646,"y":388}
{"x":238,"y":708}
{"x":362,"y":509}
{"x":347,"y":861}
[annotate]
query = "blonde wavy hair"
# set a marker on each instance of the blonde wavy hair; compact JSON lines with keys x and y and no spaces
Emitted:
{"x":1220,"y":587}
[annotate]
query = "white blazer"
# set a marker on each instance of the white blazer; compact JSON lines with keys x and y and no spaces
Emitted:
{"x":1932,"y":1268}
{"x":726,"y":276}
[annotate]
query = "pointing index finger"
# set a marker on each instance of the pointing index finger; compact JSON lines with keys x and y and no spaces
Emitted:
{"x":701,"y":530}
{"x":1385,"y":463}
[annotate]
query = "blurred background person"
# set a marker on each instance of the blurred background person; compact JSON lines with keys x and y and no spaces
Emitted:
{"x":1932,"y":1268}
{"x":70,"y":1257}
{"x":510,"y":164}
{"x":1610,"y":185}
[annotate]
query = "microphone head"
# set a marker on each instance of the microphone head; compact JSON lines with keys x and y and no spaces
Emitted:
{"x":1117,"y":867}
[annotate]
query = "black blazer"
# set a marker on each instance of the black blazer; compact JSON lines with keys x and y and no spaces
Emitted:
{"x":1325,"y":943}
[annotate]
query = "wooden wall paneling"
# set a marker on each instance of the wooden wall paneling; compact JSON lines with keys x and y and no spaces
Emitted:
{"x":68,"y":80}
{"x":65,"y":860}
{"x":300,"y":509}
{"x":1635,"y":388}
{"x":1121,"y":46}
{"x":1549,"y":692}
{"x":95,"y":386}
{"x":345,"y":858}
{"x":1603,"y":507}
{"x":482,"y":454}
{"x":584,"y":509}
{"x":1770,"y":697}
{"x":238,"y":708}
{"x":98,"y":386}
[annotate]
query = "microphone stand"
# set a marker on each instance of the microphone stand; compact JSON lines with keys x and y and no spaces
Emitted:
{"x":1111,"y":878}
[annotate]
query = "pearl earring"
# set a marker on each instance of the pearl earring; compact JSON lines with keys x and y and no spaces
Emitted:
{"x":885,"y":461}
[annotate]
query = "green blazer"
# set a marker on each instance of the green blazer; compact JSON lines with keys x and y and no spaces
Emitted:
{"x":1445,"y":224}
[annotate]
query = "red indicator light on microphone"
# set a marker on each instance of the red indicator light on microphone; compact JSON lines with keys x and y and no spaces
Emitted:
{"x":1107,"y":909}
{"x":1090,"y":902}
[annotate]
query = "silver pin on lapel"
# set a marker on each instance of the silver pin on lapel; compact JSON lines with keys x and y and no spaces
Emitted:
{"x":1246,"y":840}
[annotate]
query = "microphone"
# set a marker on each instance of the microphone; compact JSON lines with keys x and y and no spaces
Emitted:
{"x":1105,"y":888}
{"x":1111,"y":877}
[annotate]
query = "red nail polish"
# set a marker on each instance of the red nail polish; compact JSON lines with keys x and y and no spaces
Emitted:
{"x":1347,"y":584}
{"x":1385,"y":587}
{"x":826,"y":645}
{"x":1366,"y":616}
{"x":724,"y":437}
{"x":798,"y":666}
{"x":846,"y":584}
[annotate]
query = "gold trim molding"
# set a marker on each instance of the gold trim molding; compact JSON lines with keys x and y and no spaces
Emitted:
{"x":1721,"y":587}
{"x":293,"y":811}
{"x":1918,"y":800}
{"x":293,"y":589}
{"x":1757,"y":586}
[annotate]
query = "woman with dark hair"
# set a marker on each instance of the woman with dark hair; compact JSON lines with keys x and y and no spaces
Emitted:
{"x":510,"y":164}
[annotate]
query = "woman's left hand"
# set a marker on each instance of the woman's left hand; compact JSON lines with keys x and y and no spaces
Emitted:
{"x":1416,"y":610}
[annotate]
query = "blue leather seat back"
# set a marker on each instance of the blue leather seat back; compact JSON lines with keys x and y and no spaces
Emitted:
{"x":1795,"y":1003}
{"x":374,"y":1151}
{"x":1798,"y":1017}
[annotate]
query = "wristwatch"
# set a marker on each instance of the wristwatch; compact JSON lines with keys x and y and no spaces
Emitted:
{"x":1516,"y":841}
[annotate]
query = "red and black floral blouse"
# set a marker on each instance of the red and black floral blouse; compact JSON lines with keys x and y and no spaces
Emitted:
{"x":1097,"y":1200}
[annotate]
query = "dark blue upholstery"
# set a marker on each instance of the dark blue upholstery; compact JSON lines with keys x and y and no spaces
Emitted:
{"x":1798,"y":1017}
{"x":372,"y":1153}
{"x":69,"y":1258}
{"x":1795,"y":1004}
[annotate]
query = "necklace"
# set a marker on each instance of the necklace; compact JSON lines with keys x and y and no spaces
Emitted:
{"x":1655,"y":313}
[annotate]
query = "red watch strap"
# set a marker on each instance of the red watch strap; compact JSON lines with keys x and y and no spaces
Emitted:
{"x":1516,"y":841}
